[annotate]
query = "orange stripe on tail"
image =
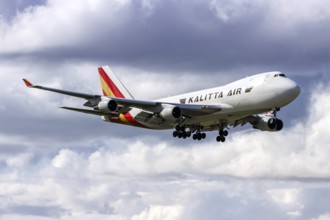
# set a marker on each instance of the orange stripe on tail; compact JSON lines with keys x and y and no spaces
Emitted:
{"x":108,"y":86}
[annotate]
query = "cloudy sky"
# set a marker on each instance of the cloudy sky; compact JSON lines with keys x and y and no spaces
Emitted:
{"x":56,"y":164}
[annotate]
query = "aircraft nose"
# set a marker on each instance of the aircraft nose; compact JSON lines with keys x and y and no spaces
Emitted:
{"x":286,"y":91}
{"x":291,"y":88}
{"x":294,"y":89}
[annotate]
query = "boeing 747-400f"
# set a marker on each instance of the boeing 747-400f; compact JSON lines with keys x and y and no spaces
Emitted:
{"x":192,"y":114}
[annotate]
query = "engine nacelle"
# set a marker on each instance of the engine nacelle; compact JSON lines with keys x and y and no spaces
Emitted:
{"x":170,"y":112}
{"x":107,"y":106}
{"x":269,"y":124}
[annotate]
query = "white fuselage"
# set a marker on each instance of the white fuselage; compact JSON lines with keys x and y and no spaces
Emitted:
{"x":251,"y":95}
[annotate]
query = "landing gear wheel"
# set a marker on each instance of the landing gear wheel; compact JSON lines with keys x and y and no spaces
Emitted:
{"x":272,"y":123}
{"x":178,"y":128}
{"x":221,"y":132}
{"x":279,"y":124}
{"x":222,"y":139}
{"x":188,"y":133}
{"x":184,"y":135}
{"x":179,"y":135}
{"x":225,"y":133}
{"x":194,"y":136}
{"x":199,"y":136}
{"x":175,"y":133}
{"x":203,"y":135}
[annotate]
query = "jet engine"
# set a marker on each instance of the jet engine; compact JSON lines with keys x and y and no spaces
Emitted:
{"x":269,"y":124}
{"x":170,"y":112}
{"x":107,"y":106}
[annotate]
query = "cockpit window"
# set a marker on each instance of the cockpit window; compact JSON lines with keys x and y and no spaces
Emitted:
{"x":280,"y":74}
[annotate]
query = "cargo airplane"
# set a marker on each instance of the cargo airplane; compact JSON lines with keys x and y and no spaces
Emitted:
{"x":252,"y":100}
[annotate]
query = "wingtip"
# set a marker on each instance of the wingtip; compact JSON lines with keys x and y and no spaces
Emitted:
{"x":27,"y":83}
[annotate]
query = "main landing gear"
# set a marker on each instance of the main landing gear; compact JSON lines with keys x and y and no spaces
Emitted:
{"x":180,"y":132}
{"x":199,"y":136}
{"x":222,"y":135}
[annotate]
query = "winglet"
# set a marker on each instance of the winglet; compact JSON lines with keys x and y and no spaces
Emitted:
{"x":27,"y":83}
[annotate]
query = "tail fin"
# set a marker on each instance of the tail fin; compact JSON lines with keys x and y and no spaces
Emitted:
{"x":111,"y":85}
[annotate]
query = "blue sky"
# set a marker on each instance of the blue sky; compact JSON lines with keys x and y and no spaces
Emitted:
{"x":57,"y":164}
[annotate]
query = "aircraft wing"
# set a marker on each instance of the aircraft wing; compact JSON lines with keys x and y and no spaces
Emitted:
{"x":156,"y":106}
{"x":75,"y":94}
{"x":189,"y":110}
{"x":92,"y":99}
{"x":87,"y":111}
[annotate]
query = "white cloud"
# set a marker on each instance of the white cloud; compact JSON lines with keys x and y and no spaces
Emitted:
{"x":149,"y":5}
{"x":298,"y":11}
{"x":160,"y":213}
{"x":233,"y":10}
{"x":288,"y":13}
{"x":288,"y":199}
{"x":42,"y":26}
{"x":19,"y":160}
{"x":74,"y":25}
{"x":323,"y":217}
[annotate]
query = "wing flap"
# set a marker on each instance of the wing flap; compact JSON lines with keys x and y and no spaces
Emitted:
{"x":87,"y":111}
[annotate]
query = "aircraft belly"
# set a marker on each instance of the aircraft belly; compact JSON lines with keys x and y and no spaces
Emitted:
{"x":152,"y":122}
{"x":228,"y":117}
{"x":155,"y":124}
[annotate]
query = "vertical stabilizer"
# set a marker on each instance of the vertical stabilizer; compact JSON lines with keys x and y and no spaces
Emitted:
{"x":111,"y":85}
